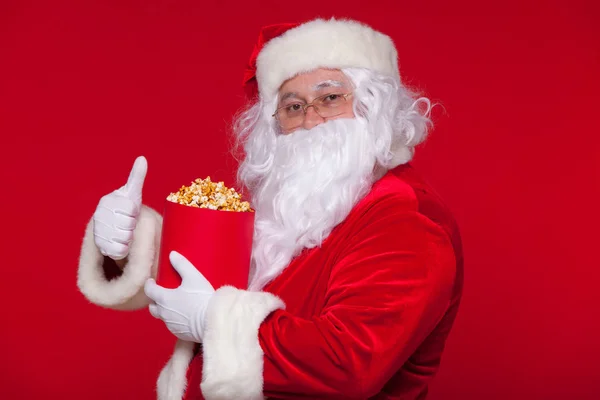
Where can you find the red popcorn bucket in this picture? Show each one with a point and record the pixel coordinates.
(217, 242)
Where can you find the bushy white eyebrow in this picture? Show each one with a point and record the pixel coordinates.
(288, 95)
(315, 88)
(326, 84)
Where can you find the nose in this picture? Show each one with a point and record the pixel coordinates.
(312, 119)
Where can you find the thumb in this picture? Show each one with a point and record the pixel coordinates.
(135, 182)
(189, 273)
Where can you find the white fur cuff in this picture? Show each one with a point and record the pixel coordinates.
(125, 292)
(171, 384)
(233, 357)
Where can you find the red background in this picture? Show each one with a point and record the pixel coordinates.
(86, 86)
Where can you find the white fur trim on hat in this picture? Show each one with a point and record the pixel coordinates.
(125, 292)
(232, 355)
(323, 44)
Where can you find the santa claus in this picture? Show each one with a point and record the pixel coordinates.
(356, 270)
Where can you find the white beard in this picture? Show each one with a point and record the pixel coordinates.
(316, 179)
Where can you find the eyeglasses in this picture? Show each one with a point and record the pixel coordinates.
(329, 105)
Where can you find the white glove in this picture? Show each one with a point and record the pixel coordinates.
(116, 215)
(182, 309)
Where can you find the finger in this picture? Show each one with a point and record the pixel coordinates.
(101, 243)
(116, 204)
(125, 223)
(154, 310)
(135, 182)
(113, 241)
(154, 291)
(121, 236)
(187, 271)
(101, 228)
(116, 251)
(182, 265)
(102, 213)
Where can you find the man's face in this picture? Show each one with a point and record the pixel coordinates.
(320, 84)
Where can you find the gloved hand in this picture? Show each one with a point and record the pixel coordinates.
(116, 215)
(182, 309)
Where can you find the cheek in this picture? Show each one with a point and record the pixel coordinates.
(349, 113)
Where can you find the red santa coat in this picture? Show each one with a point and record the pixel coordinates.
(363, 316)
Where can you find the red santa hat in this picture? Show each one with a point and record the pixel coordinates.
(285, 50)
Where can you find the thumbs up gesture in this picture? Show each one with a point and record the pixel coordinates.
(116, 215)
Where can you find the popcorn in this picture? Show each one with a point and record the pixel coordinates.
(203, 193)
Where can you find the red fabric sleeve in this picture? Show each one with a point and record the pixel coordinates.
(388, 290)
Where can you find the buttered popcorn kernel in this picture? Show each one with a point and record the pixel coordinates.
(203, 193)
